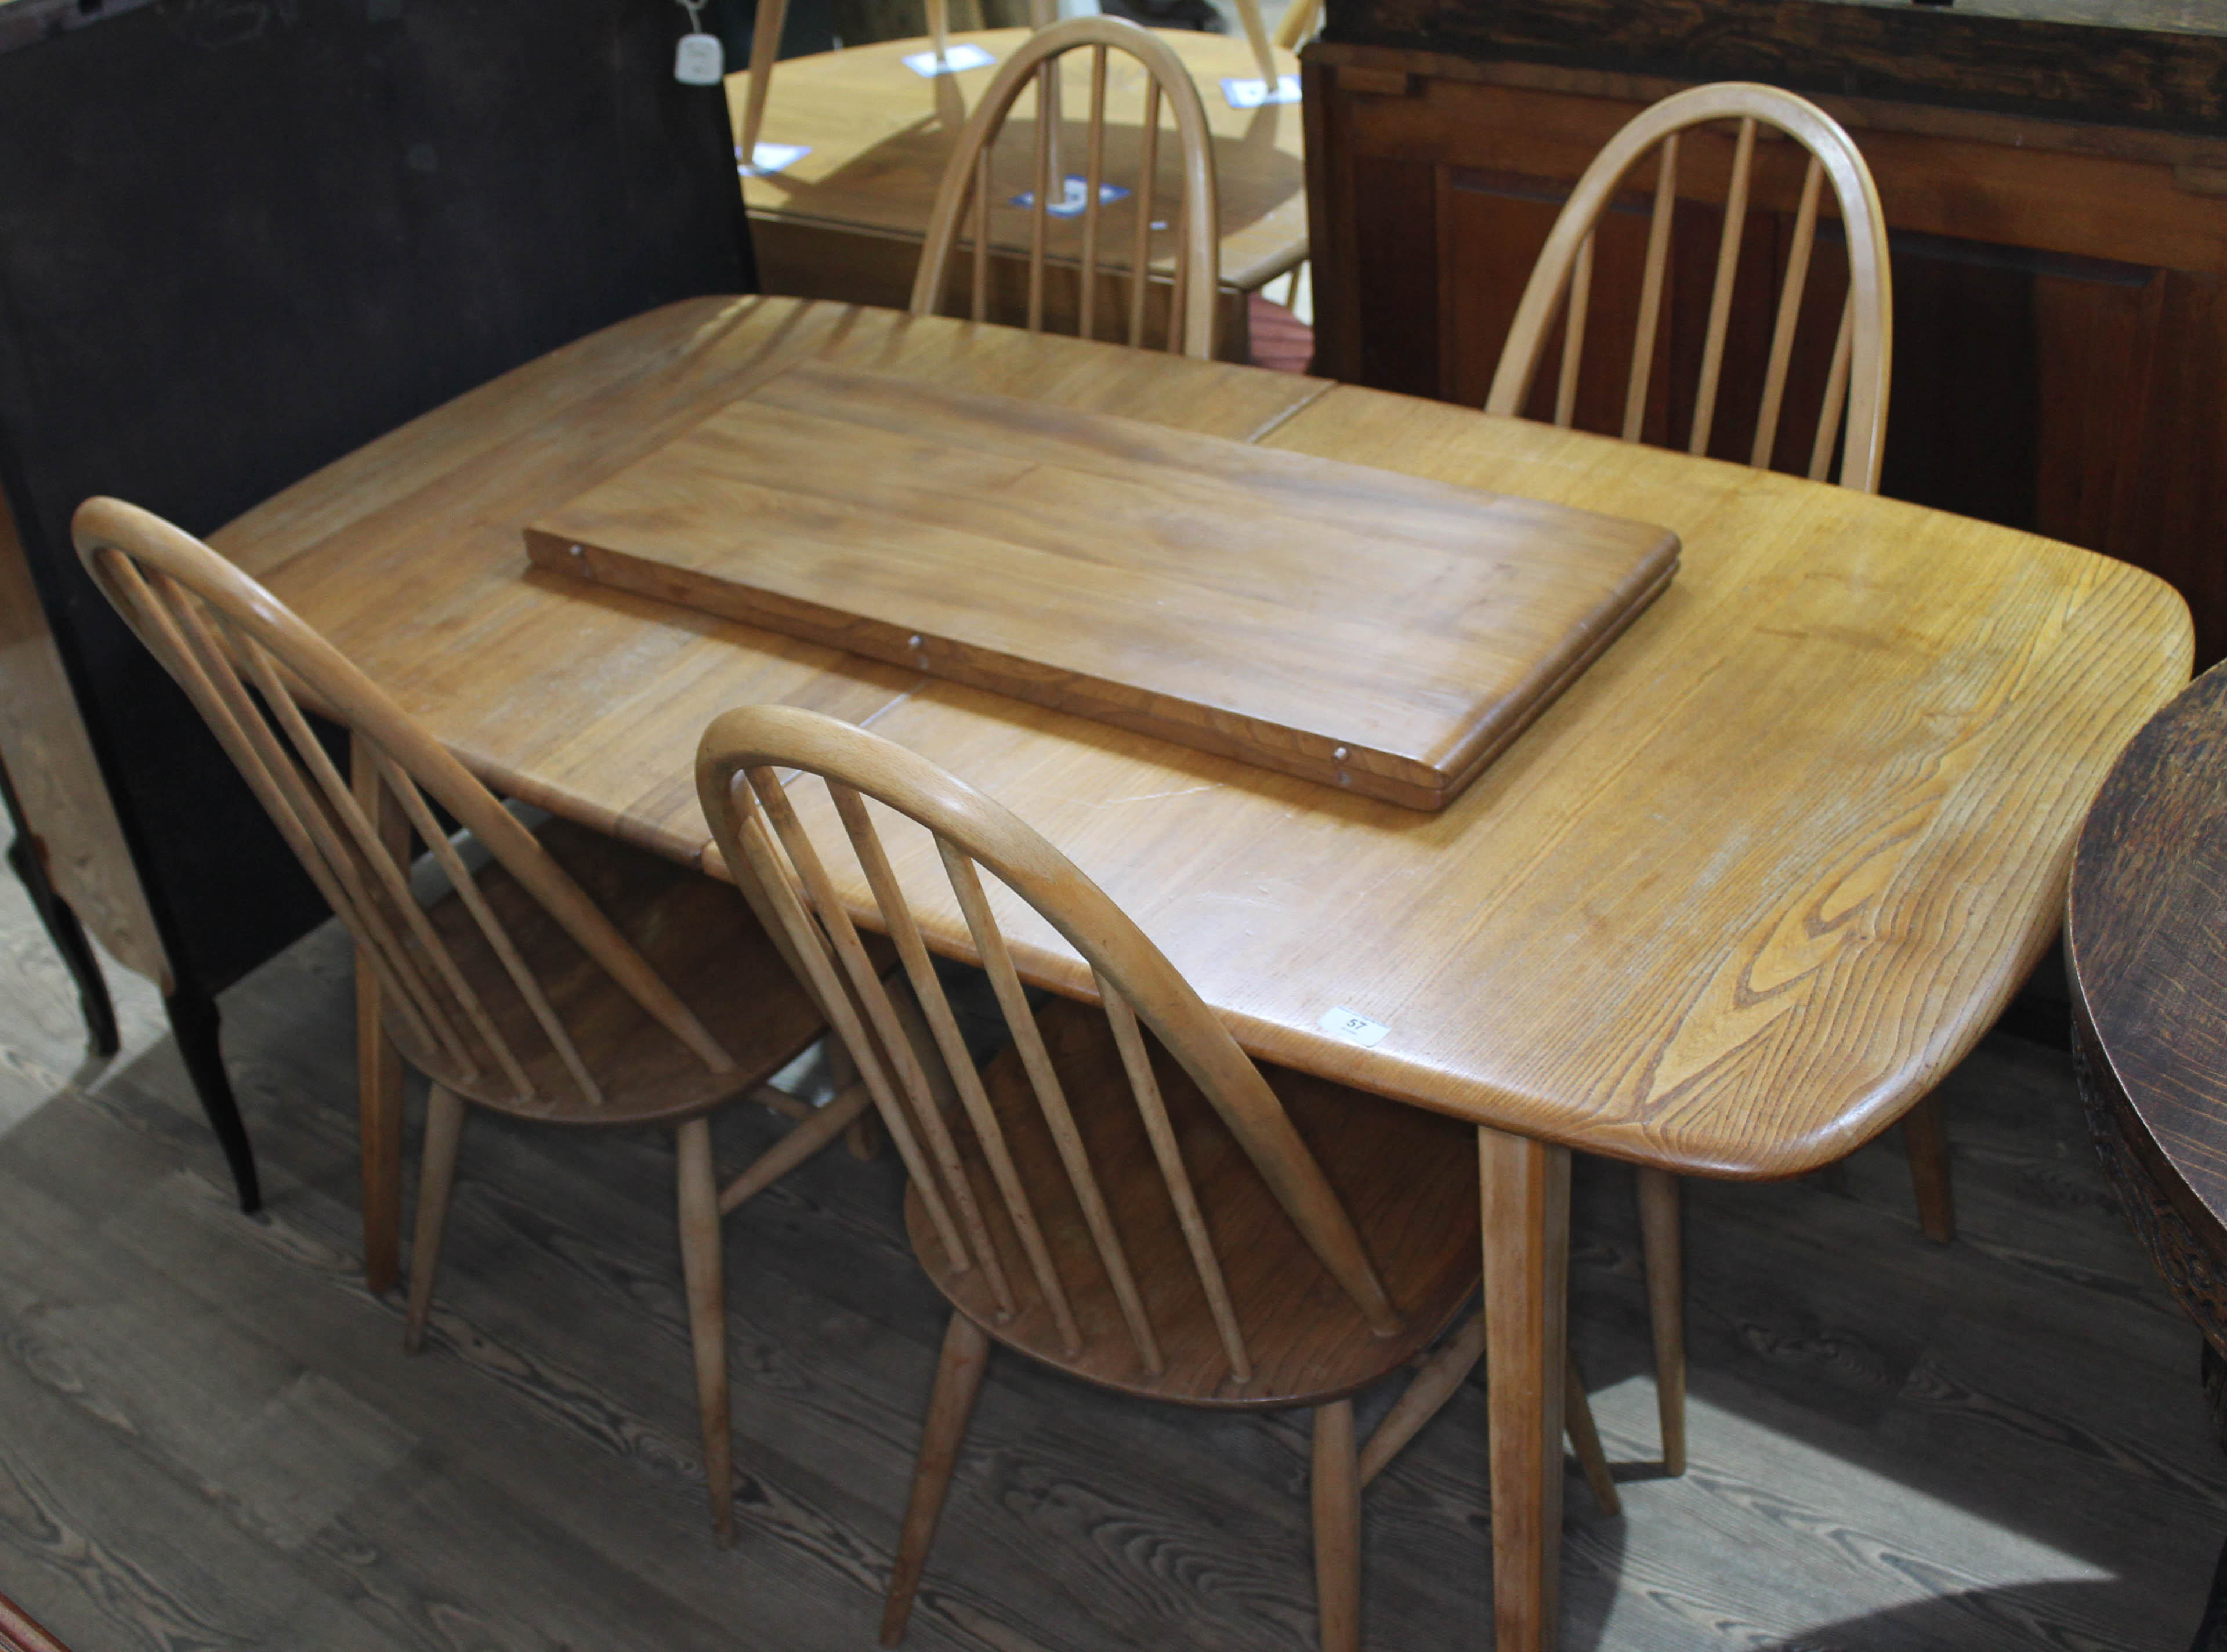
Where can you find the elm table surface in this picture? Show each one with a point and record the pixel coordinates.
(1734, 902)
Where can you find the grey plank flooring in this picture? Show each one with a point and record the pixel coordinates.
(210, 1438)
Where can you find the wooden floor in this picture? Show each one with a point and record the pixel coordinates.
(210, 1438)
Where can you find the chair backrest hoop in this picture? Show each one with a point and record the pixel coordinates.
(1864, 357)
(737, 778)
(146, 567)
(1198, 272)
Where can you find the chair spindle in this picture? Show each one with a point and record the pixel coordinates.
(1837, 394)
(943, 1025)
(1051, 1098)
(980, 291)
(498, 938)
(1093, 181)
(1148, 170)
(160, 605)
(763, 861)
(1720, 295)
(896, 1050)
(1573, 333)
(1790, 312)
(1137, 1062)
(1040, 201)
(1651, 289)
(340, 797)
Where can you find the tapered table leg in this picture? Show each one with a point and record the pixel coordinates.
(1526, 1199)
(379, 1068)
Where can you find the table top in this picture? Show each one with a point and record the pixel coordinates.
(2146, 939)
(1733, 903)
(880, 137)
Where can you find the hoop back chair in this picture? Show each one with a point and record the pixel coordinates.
(1561, 281)
(966, 181)
(542, 984)
(1856, 385)
(1121, 1194)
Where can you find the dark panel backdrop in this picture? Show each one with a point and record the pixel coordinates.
(241, 238)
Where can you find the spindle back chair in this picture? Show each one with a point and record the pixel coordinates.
(518, 989)
(1856, 385)
(1121, 1194)
(967, 182)
(1561, 280)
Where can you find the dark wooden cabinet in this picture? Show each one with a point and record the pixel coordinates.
(2057, 197)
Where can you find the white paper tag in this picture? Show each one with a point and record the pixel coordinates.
(1251, 94)
(1074, 196)
(701, 61)
(1352, 1026)
(965, 55)
(770, 158)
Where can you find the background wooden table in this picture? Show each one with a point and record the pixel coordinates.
(845, 222)
(2146, 951)
(1733, 904)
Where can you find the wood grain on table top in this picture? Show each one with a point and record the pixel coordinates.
(1735, 901)
(1344, 623)
(880, 135)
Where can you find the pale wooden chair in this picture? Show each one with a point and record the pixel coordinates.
(765, 46)
(967, 181)
(1561, 280)
(1122, 1194)
(570, 979)
(1855, 395)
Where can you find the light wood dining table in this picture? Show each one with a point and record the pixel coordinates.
(1731, 904)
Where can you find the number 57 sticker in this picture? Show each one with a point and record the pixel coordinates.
(1352, 1026)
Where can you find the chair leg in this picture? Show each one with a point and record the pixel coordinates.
(802, 1142)
(1336, 1496)
(1666, 1306)
(701, 1265)
(1585, 1438)
(958, 1380)
(444, 1133)
(1442, 1375)
(1925, 1135)
(194, 1024)
(1425, 1396)
(864, 1137)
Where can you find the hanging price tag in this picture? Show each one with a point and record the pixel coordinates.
(701, 61)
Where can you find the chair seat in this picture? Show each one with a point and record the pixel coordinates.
(1407, 1178)
(700, 936)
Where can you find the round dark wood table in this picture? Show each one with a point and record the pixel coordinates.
(2146, 950)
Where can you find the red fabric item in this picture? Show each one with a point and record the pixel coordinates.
(1280, 340)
